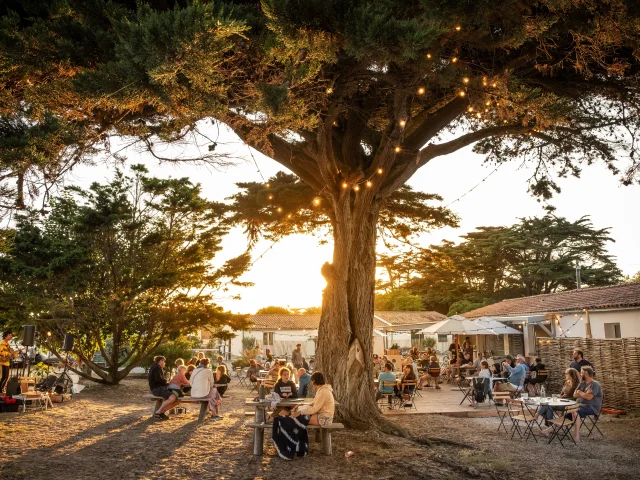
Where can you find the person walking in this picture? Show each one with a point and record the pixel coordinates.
(296, 357)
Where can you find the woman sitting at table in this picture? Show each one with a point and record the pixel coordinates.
(203, 387)
(452, 368)
(572, 380)
(407, 376)
(427, 378)
(322, 409)
(222, 379)
(285, 388)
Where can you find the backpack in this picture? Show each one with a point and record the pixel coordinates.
(478, 391)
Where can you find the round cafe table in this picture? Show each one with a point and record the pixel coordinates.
(550, 402)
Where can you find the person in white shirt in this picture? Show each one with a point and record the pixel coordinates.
(203, 387)
(486, 373)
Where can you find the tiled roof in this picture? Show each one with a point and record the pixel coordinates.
(312, 321)
(595, 298)
(410, 318)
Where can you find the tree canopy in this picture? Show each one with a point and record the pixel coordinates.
(532, 257)
(124, 266)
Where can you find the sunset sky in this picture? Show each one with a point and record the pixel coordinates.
(289, 273)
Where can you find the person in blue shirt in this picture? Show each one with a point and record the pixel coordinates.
(517, 375)
(303, 382)
(386, 376)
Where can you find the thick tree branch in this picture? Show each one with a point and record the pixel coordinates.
(434, 123)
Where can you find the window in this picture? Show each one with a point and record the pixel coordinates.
(443, 338)
(612, 330)
(267, 338)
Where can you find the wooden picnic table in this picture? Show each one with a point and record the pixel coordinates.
(260, 422)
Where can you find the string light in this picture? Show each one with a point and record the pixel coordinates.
(458, 28)
(369, 184)
(454, 59)
(268, 185)
(289, 216)
(279, 209)
(478, 115)
(329, 91)
(357, 188)
(470, 109)
(465, 80)
(270, 197)
(421, 91)
(494, 84)
(397, 149)
(488, 103)
(462, 93)
(344, 185)
(428, 56)
(316, 201)
(402, 123)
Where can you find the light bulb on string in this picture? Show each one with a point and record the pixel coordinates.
(268, 185)
(428, 56)
(279, 209)
(465, 80)
(494, 84)
(397, 149)
(478, 115)
(369, 184)
(470, 109)
(403, 123)
(462, 93)
(344, 185)
(289, 216)
(270, 197)
(316, 201)
(458, 28)
(488, 103)
(421, 91)
(329, 91)
(357, 188)
(379, 171)
(454, 60)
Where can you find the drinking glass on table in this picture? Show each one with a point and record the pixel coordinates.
(524, 396)
(554, 396)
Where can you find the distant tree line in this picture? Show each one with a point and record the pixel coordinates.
(532, 257)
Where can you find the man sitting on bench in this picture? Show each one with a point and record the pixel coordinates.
(159, 388)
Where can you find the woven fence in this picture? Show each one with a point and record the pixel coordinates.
(617, 364)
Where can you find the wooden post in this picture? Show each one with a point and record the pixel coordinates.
(203, 411)
(587, 324)
(258, 432)
(325, 436)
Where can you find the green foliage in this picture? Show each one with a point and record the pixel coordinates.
(398, 300)
(635, 278)
(463, 306)
(181, 347)
(248, 342)
(274, 310)
(125, 266)
(532, 257)
(240, 362)
(429, 342)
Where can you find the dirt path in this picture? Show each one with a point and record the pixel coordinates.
(107, 433)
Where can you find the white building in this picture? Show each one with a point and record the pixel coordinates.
(608, 312)
(281, 333)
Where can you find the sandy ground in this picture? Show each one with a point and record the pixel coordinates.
(107, 433)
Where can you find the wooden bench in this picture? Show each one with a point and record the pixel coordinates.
(325, 435)
(203, 405)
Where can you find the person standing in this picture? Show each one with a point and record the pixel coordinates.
(304, 380)
(6, 354)
(579, 361)
(296, 358)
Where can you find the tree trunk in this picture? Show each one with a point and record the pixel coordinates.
(347, 312)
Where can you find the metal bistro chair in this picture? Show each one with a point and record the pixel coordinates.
(390, 398)
(517, 414)
(408, 399)
(592, 422)
(501, 409)
(241, 375)
(562, 425)
(540, 380)
(435, 373)
(466, 388)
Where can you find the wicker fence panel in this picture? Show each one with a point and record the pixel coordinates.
(617, 364)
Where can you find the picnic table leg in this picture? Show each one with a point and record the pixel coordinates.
(258, 433)
(157, 405)
(203, 412)
(325, 436)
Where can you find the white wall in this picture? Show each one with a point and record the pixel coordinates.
(629, 321)
(285, 342)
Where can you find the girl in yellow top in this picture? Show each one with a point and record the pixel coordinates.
(322, 409)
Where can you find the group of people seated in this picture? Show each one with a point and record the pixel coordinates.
(195, 379)
(274, 376)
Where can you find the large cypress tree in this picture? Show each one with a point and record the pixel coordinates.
(353, 97)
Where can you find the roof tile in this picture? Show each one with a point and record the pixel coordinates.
(594, 298)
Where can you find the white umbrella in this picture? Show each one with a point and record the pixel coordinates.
(457, 325)
(496, 326)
